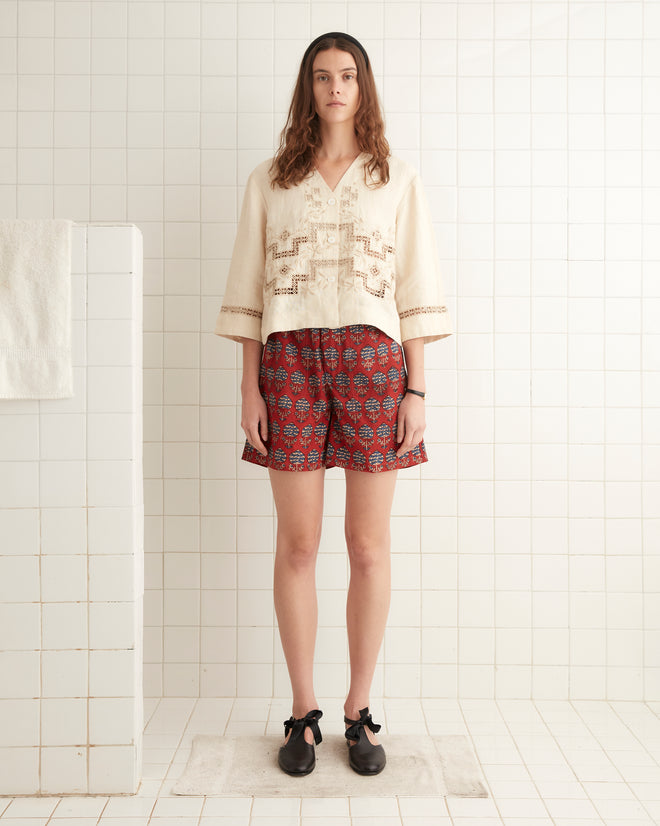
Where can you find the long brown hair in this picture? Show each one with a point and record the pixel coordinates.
(301, 136)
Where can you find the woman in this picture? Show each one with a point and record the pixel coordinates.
(334, 279)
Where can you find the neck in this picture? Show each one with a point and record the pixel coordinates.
(338, 142)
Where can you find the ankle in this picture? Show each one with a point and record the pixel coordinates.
(301, 709)
(352, 710)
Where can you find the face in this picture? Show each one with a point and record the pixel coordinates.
(335, 85)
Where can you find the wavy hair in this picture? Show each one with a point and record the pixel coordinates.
(301, 136)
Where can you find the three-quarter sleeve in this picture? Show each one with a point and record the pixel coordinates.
(242, 306)
(420, 299)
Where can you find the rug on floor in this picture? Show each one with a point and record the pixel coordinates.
(419, 766)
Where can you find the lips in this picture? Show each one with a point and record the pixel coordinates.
(336, 104)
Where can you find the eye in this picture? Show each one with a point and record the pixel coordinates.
(349, 76)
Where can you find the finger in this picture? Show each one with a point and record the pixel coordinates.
(407, 445)
(254, 439)
(261, 447)
(263, 427)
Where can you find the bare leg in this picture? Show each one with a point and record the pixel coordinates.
(299, 502)
(368, 506)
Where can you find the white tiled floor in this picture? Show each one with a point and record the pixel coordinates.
(577, 763)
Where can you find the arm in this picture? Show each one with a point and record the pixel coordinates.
(254, 415)
(411, 421)
(241, 313)
(419, 295)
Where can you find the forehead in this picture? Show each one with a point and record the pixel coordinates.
(333, 58)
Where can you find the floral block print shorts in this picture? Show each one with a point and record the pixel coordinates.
(333, 397)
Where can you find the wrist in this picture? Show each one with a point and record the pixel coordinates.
(414, 391)
(249, 386)
(417, 383)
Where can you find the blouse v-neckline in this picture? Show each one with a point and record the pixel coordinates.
(343, 177)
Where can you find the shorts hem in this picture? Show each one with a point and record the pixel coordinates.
(382, 469)
(254, 457)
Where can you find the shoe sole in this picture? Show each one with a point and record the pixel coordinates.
(358, 771)
(298, 774)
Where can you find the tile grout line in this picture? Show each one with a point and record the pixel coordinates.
(605, 451)
(163, 440)
(568, 762)
(490, 702)
(569, 601)
(642, 429)
(201, 376)
(612, 708)
(175, 750)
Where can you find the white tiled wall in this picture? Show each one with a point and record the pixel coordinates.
(526, 553)
(72, 549)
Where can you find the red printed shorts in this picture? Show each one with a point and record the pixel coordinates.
(333, 396)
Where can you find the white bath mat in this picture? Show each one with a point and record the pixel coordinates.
(417, 766)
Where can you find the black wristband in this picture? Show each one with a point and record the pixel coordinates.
(416, 392)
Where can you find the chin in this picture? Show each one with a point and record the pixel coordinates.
(339, 114)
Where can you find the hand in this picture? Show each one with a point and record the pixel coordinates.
(411, 423)
(254, 420)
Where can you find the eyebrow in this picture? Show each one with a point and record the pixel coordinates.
(348, 69)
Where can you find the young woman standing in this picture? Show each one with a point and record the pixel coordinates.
(333, 290)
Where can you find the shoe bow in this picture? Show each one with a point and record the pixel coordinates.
(298, 725)
(353, 732)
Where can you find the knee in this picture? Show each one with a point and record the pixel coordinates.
(366, 553)
(299, 551)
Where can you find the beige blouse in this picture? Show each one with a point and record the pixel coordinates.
(310, 256)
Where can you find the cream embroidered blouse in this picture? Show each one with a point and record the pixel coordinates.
(309, 256)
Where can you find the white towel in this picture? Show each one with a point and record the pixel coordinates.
(35, 309)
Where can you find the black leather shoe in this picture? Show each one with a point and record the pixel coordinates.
(298, 757)
(363, 756)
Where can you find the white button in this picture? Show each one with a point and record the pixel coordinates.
(331, 201)
(331, 239)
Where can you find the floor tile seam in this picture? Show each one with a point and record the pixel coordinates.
(481, 767)
(227, 723)
(531, 704)
(648, 710)
(428, 732)
(607, 754)
(631, 732)
(643, 749)
(565, 752)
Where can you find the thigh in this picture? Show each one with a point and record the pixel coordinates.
(369, 498)
(299, 503)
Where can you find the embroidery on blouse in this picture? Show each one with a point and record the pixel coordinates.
(241, 311)
(374, 278)
(349, 196)
(365, 258)
(284, 279)
(422, 311)
(315, 204)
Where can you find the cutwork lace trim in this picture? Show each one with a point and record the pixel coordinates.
(241, 311)
(422, 311)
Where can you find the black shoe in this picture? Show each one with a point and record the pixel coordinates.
(298, 757)
(364, 757)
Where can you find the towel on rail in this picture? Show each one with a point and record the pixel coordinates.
(35, 309)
